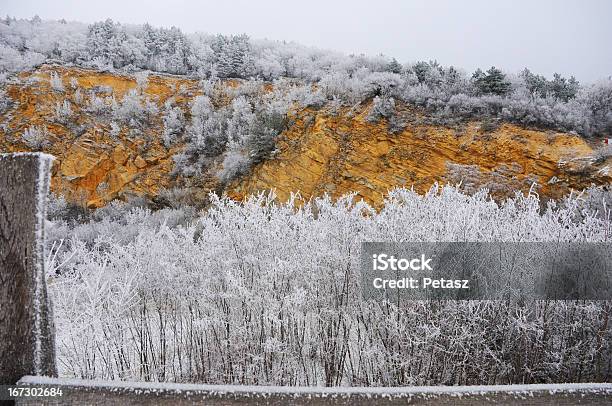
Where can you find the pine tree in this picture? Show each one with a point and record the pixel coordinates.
(564, 89)
(492, 82)
(394, 66)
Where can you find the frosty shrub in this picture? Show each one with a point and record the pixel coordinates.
(603, 153)
(78, 96)
(115, 129)
(176, 197)
(266, 293)
(381, 107)
(174, 123)
(235, 163)
(134, 109)
(266, 129)
(11, 60)
(63, 111)
(207, 133)
(56, 82)
(595, 201)
(56, 207)
(5, 101)
(98, 105)
(35, 137)
(245, 130)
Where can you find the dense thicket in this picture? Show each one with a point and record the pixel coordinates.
(261, 293)
(445, 92)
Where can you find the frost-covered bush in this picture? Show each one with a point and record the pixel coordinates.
(272, 293)
(134, 109)
(245, 130)
(382, 107)
(5, 101)
(99, 105)
(207, 132)
(174, 123)
(115, 129)
(142, 80)
(360, 85)
(267, 127)
(241, 121)
(235, 163)
(56, 82)
(594, 201)
(78, 96)
(597, 100)
(182, 198)
(35, 137)
(56, 207)
(63, 111)
(603, 153)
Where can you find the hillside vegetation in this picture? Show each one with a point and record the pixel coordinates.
(173, 139)
(447, 92)
(269, 294)
(153, 112)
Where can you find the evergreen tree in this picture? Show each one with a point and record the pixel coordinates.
(492, 82)
(564, 89)
(394, 66)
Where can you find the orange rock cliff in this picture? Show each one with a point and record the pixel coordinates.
(322, 151)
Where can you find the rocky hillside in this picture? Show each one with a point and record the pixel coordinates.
(335, 154)
(327, 149)
(93, 164)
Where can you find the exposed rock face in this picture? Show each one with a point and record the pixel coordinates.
(320, 153)
(90, 171)
(93, 166)
(335, 154)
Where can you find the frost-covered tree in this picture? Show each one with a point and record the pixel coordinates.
(597, 100)
(207, 132)
(233, 56)
(536, 84)
(428, 73)
(564, 89)
(104, 42)
(492, 82)
(394, 66)
(319, 76)
(241, 121)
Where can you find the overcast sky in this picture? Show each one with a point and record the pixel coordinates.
(565, 36)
